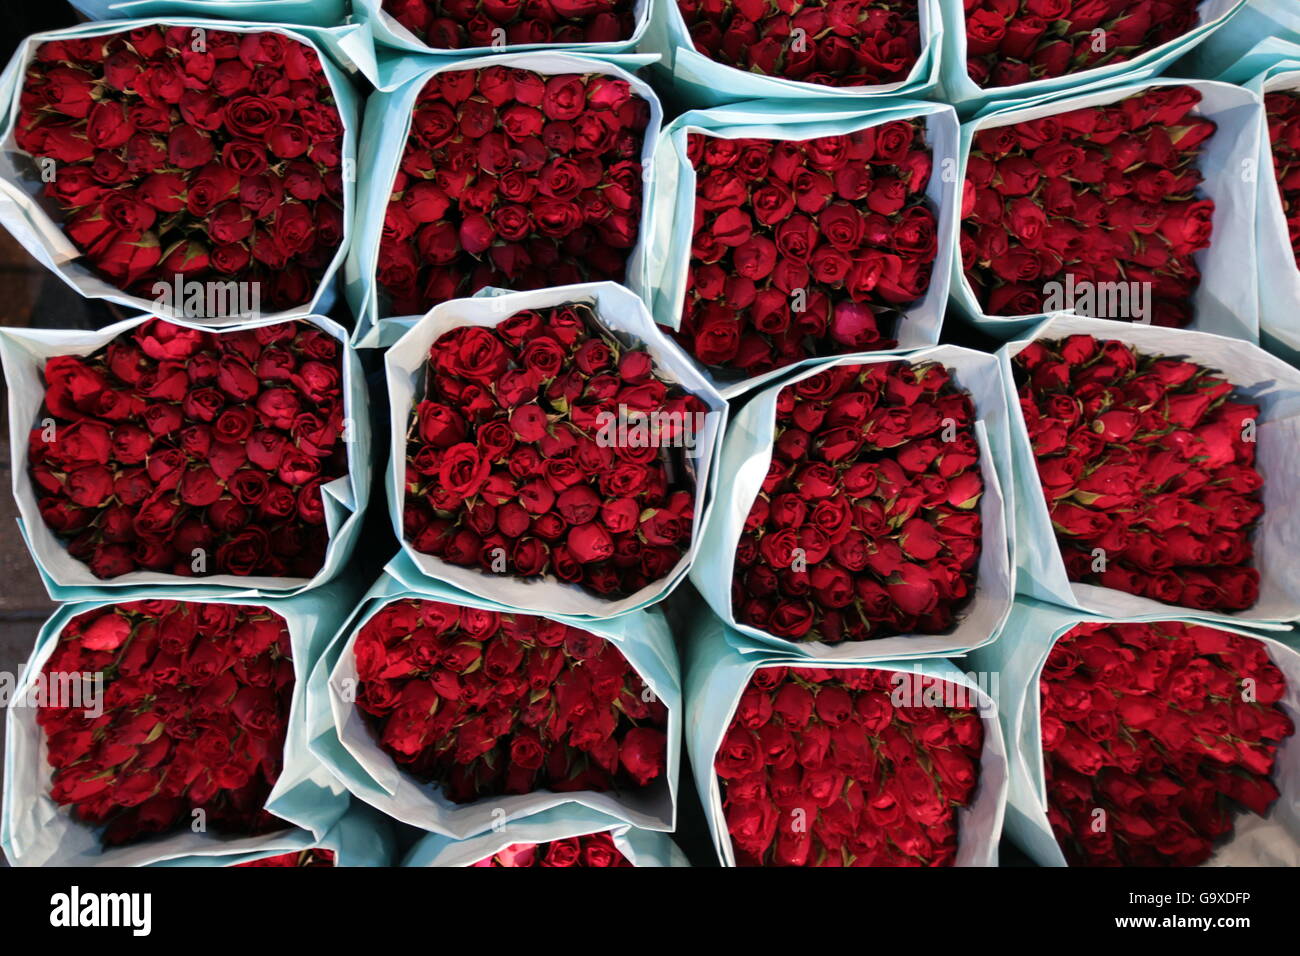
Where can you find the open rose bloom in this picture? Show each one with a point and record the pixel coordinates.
(560, 837)
(519, 170)
(715, 51)
(159, 453)
(1148, 741)
(157, 165)
(470, 27)
(800, 763)
(997, 50)
(868, 517)
(534, 496)
(1129, 546)
(455, 714)
(1040, 181)
(106, 761)
(780, 237)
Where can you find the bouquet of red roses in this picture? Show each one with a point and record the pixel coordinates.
(841, 43)
(849, 767)
(312, 857)
(867, 522)
(1155, 738)
(591, 849)
(178, 155)
(552, 447)
(1061, 211)
(866, 519)
(456, 24)
(514, 178)
(485, 703)
(1283, 108)
(806, 248)
(183, 451)
(1147, 467)
(1009, 42)
(186, 722)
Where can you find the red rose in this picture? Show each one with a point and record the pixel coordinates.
(1111, 758)
(642, 754)
(785, 800)
(564, 490)
(1078, 229)
(541, 666)
(128, 137)
(190, 477)
(146, 779)
(1159, 552)
(801, 252)
(549, 173)
(806, 535)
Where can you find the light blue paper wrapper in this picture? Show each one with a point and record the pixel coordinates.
(641, 847)
(716, 676)
(341, 739)
(1261, 378)
(1017, 660)
(956, 86)
(625, 315)
(700, 81)
(1273, 66)
(319, 13)
(35, 831)
(384, 133)
(361, 837)
(391, 34)
(1227, 47)
(1226, 303)
(746, 454)
(665, 266)
(23, 353)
